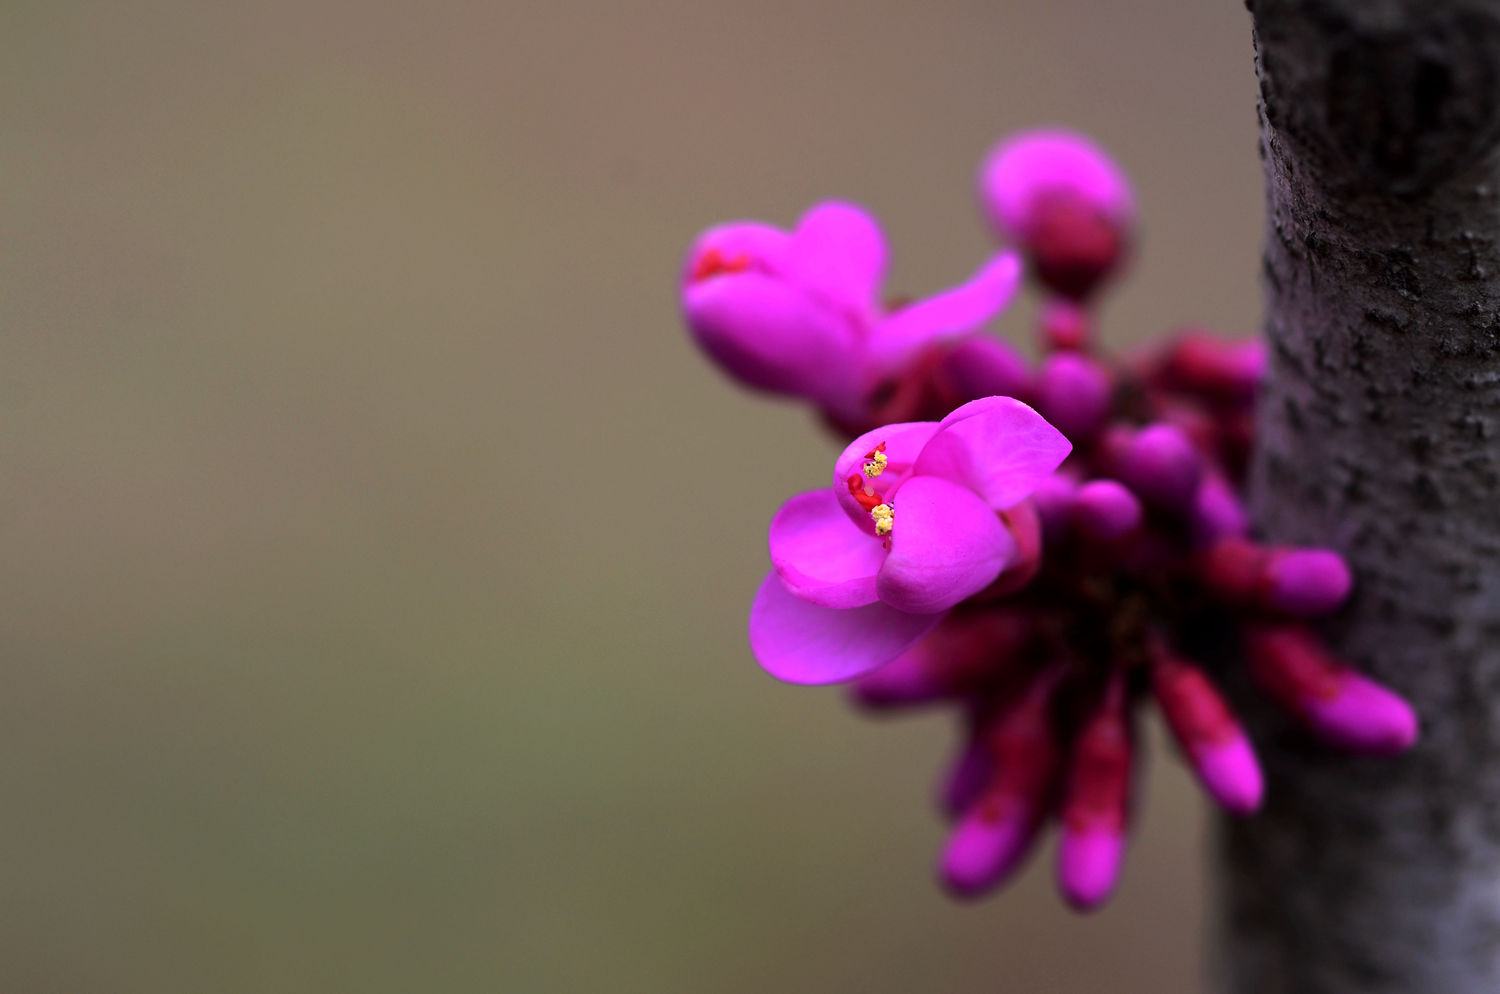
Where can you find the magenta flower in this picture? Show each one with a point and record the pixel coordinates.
(1065, 202)
(912, 525)
(799, 313)
(956, 562)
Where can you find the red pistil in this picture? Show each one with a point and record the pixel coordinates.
(714, 263)
(868, 501)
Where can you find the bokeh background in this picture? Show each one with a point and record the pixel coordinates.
(376, 549)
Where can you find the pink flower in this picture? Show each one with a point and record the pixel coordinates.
(799, 312)
(912, 526)
(1065, 202)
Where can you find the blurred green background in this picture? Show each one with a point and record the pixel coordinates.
(377, 549)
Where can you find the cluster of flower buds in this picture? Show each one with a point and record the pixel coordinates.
(1042, 548)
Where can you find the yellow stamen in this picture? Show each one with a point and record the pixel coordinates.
(876, 465)
(884, 517)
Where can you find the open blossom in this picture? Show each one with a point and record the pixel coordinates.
(1044, 573)
(799, 313)
(912, 525)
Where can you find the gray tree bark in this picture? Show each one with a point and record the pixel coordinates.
(1379, 434)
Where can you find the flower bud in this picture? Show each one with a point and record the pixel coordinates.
(1207, 733)
(1218, 512)
(994, 835)
(1095, 808)
(1349, 710)
(1229, 371)
(982, 366)
(1074, 393)
(1065, 202)
(1162, 466)
(1307, 582)
(966, 653)
(1105, 510)
(1065, 327)
(1053, 498)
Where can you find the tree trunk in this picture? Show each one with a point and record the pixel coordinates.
(1379, 435)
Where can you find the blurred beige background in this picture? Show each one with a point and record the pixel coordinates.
(377, 549)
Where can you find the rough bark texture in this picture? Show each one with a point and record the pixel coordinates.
(1380, 435)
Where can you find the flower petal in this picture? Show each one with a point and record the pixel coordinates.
(768, 333)
(997, 447)
(738, 246)
(946, 316)
(821, 556)
(839, 253)
(903, 443)
(947, 544)
(805, 643)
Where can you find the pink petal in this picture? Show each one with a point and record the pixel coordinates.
(839, 253)
(946, 545)
(805, 643)
(746, 245)
(768, 333)
(1045, 161)
(903, 443)
(997, 447)
(946, 316)
(821, 557)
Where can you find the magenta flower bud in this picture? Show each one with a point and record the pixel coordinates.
(1235, 569)
(982, 366)
(1230, 371)
(1089, 863)
(1163, 467)
(987, 845)
(1105, 510)
(1053, 498)
(1095, 808)
(1065, 327)
(1349, 710)
(1065, 202)
(1074, 393)
(1208, 734)
(995, 833)
(1218, 512)
(1365, 717)
(968, 776)
(1304, 583)
(1307, 582)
